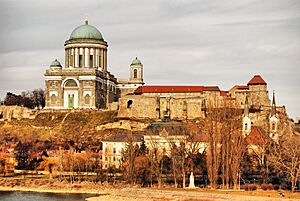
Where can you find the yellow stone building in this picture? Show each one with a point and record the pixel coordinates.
(84, 82)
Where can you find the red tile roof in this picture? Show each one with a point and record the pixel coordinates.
(223, 93)
(211, 88)
(257, 136)
(124, 137)
(169, 89)
(242, 87)
(257, 79)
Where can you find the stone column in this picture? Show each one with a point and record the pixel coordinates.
(83, 57)
(66, 58)
(102, 62)
(73, 57)
(97, 58)
(76, 57)
(88, 58)
(70, 53)
(94, 58)
(105, 60)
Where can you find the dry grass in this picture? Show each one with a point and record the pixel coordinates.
(259, 193)
(59, 125)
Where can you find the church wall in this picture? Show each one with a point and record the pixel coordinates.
(53, 87)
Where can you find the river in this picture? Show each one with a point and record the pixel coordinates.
(33, 196)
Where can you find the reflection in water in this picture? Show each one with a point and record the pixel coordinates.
(32, 196)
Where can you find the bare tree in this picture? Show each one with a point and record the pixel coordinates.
(285, 156)
(214, 145)
(130, 154)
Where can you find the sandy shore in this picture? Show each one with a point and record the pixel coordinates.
(137, 194)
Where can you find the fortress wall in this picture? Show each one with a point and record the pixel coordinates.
(15, 112)
(154, 107)
(135, 106)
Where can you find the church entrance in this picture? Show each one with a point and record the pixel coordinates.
(70, 99)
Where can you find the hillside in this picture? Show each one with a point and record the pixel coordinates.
(77, 126)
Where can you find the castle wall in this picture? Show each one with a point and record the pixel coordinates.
(156, 107)
(15, 112)
(135, 106)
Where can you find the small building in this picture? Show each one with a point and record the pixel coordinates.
(114, 146)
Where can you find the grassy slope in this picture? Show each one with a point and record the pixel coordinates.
(63, 125)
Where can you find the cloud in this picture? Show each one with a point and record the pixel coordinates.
(179, 42)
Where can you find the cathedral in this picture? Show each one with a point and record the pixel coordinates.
(84, 81)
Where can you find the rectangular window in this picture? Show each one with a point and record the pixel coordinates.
(99, 61)
(91, 61)
(80, 61)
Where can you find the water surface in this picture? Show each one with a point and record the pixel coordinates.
(33, 196)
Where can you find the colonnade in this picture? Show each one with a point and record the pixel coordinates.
(86, 57)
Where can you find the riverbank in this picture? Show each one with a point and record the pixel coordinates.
(53, 186)
(100, 192)
(147, 194)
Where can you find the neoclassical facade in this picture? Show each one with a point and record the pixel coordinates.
(84, 81)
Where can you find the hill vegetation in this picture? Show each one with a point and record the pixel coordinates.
(73, 126)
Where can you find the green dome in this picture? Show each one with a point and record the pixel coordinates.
(86, 31)
(136, 61)
(55, 63)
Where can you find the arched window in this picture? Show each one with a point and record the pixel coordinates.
(246, 126)
(71, 83)
(53, 99)
(135, 73)
(273, 126)
(129, 103)
(87, 99)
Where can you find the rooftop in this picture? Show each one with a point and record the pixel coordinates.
(257, 80)
(257, 136)
(136, 61)
(123, 137)
(86, 31)
(175, 89)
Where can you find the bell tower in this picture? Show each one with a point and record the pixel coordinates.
(246, 119)
(274, 120)
(136, 71)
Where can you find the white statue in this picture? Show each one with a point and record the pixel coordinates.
(192, 183)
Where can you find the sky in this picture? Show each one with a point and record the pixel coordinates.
(180, 42)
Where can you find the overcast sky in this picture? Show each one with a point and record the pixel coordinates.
(180, 42)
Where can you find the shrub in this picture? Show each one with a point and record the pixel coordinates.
(276, 186)
(250, 187)
(267, 187)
